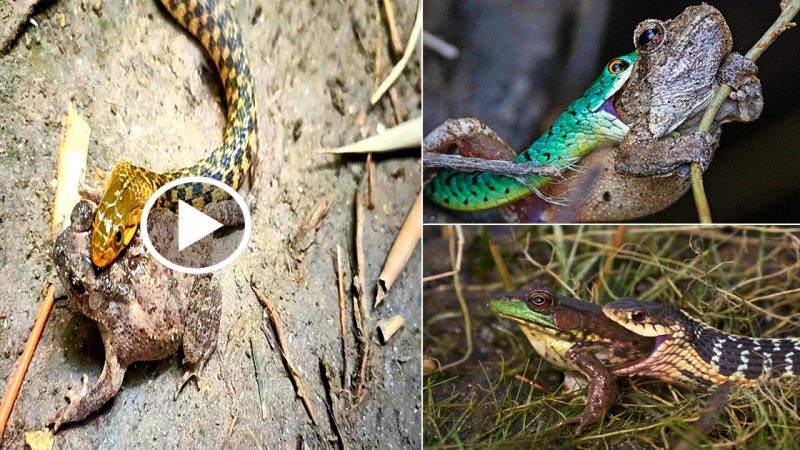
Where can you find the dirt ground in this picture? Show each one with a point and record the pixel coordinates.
(151, 96)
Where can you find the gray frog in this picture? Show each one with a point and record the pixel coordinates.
(144, 310)
(682, 63)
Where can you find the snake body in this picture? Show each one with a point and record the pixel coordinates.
(587, 123)
(129, 186)
(691, 352)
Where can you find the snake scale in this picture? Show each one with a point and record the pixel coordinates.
(691, 352)
(587, 123)
(129, 186)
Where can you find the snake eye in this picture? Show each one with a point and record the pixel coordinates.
(118, 237)
(649, 35)
(540, 299)
(617, 66)
(638, 316)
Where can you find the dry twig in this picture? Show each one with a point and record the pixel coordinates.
(404, 245)
(72, 151)
(405, 135)
(24, 361)
(781, 24)
(398, 68)
(287, 360)
(465, 164)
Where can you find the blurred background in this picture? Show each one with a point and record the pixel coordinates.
(521, 62)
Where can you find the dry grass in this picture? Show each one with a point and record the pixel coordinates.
(742, 280)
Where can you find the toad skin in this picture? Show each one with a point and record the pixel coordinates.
(144, 310)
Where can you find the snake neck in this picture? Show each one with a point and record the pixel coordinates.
(698, 354)
(575, 133)
(210, 21)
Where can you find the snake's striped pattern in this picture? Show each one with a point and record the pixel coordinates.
(690, 352)
(586, 124)
(129, 187)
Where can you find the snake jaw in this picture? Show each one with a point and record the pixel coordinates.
(645, 363)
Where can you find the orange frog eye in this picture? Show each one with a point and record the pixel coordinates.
(617, 66)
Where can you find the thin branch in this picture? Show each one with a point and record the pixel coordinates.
(464, 164)
(781, 24)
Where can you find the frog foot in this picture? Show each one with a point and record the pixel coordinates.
(193, 371)
(747, 102)
(584, 419)
(735, 70)
(73, 398)
(92, 193)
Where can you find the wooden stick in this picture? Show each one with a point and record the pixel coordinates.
(342, 309)
(370, 182)
(406, 135)
(398, 68)
(72, 150)
(16, 378)
(404, 245)
(397, 46)
(465, 164)
(294, 375)
(361, 289)
(388, 327)
(781, 24)
(445, 49)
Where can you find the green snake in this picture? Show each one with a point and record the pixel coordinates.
(129, 187)
(587, 123)
(690, 352)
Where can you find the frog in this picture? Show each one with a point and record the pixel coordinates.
(576, 337)
(682, 63)
(143, 310)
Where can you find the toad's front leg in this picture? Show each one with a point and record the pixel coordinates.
(640, 155)
(88, 401)
(602, 387)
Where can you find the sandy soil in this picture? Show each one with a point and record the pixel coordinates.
(151, 96)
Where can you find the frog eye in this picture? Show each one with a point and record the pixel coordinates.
(638, 316)
(649, 36)
(118, 237)
(617, 66)
(540, 299)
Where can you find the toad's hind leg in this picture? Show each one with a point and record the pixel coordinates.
(200, 328)
(87, 401)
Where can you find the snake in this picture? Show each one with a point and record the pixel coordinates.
(129, 186)
(688, 351)
(586, 124)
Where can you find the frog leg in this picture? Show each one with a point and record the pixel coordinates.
(201, 325)
(226, 212)
(602, 389)
(86, 401)
(639, 155)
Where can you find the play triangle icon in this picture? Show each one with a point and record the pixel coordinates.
(193, 225)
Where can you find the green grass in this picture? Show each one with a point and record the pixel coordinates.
(742, 280)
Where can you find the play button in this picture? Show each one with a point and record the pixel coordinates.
(193, 225)
(210, 230)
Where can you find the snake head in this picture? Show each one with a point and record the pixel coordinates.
(118, 214)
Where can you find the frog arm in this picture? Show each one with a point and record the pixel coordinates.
(641, 155)
(602, 387)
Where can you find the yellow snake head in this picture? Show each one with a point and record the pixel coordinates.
(119, 212)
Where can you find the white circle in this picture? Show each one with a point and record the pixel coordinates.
(196, 270)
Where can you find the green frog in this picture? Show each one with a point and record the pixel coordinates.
(576, 337)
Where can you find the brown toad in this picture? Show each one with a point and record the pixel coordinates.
(682, 63)
(144, 310)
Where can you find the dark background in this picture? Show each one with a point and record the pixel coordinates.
(522, 62)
